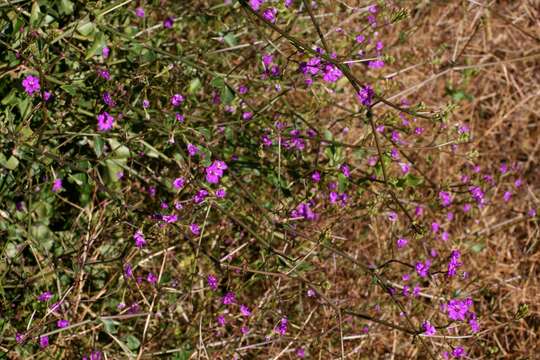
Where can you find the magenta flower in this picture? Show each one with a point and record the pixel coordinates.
(62, 323)
(151, 278)
(256, 4)
(281, 329)
(458, 309)
(212, 282)
(105, 121)
(107, 99)
(429, 329)
(229, 298)
(192, 150)
(332, 73)
(179, 117)
(128, 271)
(139, 12)
(200, 196)
(31, 84)
(270, 15)
(245, 311)
(221, 193)
(459, 352)
(104, 74)
(139, 239)
(300, 353)
(345, 170)
(57, 185)
(168, 22)
(45, 296)
(179, 183)
(316, 176)
(365, 95)
(43, 341)
(105, 52)
(145, 104)
(446, 198)
(401, 243)
(195, 229)
(422, 269)
(47, 96)
(247, 115)
(177, 99)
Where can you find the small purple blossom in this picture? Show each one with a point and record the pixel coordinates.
(104, 74)
(43, 341)
(229, 298)
(105, 52)
(195, 229)
(429, 329)
(105, 121)
(212, 282)
(179, 183)
(281, 329)
(139, 239)
(177, 99)
(445, 198)
(62, 323)
(422, 268)
(200, 196)
(192, 149)
(139, 12)
(57, 185)
(221, 193)
(365, 95)
(151, 278)
(402, 242)
(168, 22)
(270, 14)
(256, 4)
(31, 84)
(45, 296)
(245, 311)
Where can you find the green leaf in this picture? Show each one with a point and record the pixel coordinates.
(194, 86)
(11, 163)
(86, 29)
(230, 39)
(35, 14)
(65, 7)
(98, 44)
(110, 325)
(132, 342)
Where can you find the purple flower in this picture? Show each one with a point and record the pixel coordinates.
(105, 121)
(215, 171)
(177, 99)
(168, 22)
(31, 84)
(256, 4)
(300, 353)
(45, 296)
(46, 96)
(170, 218)
(392, 216)
(229, 298)
(454, 263)
(311, 293)
(145, 104)
(458, 352)
(402, 242)
(422, 269)
(244, 329)
(360, 38)
(139, 12)
(128, 271)
(151, 278)
(446, 198)
(200, 196)
(429, 329)
(458, 309)
(62, 323)
(345, 170)
(282, 327)
(376, 64)
(365, 95)
(532, 212)
(107, 99)
(245, 311)
(316, 176)
(212, 282)
(105, 52)
(221, 193)
(304, 210)
(195, 229)
(139, 239)
(270, 14)
(43, 341)
(507, 196)
(179, 117)
(221, 320)
(57, 185)
(19, 338)
(247, 115)
(332, 73)
(242, 89)
(104, 74)
(179, 183)
(192, 149)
